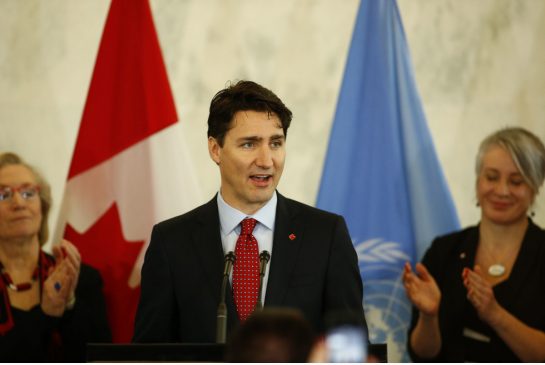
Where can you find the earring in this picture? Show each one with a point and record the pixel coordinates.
(532, 214)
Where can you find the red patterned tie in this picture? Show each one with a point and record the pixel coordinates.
(246, 270)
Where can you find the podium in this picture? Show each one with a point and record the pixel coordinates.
(178, 352)
(155, 352)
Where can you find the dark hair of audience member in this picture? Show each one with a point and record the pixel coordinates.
(272, 335)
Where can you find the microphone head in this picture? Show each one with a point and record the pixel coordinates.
(265, 255)
(230, 256)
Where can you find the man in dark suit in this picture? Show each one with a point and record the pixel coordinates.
(313, 265)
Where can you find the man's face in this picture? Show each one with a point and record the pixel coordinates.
(251, 160)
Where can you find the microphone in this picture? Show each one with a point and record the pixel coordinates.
(264, 258)
(221, 319)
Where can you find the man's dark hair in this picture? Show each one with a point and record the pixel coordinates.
(272, 335)
(244, 95)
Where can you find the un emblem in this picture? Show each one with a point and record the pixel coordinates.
(387, 309)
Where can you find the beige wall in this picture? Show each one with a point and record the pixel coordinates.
(479, 66)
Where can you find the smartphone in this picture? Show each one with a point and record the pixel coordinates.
(346, 343)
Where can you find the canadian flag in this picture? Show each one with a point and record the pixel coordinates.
(130, 168)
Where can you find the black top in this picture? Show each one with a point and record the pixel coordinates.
(464, 336)
(38, 337)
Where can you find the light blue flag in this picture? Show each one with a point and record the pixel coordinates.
(381, 171)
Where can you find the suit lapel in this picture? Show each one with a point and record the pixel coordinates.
(207, 244)
(287, 241)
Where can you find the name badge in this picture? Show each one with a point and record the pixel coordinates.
(474, 335)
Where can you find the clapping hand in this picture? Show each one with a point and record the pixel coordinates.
(60, 286)
(481, 294)
(422, 289)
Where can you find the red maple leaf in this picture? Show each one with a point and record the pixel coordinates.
(104, 248)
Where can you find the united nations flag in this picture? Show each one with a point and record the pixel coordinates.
(381, 171)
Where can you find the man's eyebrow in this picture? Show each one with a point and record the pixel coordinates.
(250, 138)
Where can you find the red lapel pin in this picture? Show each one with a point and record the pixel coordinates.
(291, 236)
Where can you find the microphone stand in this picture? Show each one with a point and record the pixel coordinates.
(221, 320)
(264, 258)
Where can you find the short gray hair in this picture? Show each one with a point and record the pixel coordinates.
(526, 150)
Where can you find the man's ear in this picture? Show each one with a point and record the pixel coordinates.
(214, 149)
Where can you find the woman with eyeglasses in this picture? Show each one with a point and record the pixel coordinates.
(50, 305)
(479, 294)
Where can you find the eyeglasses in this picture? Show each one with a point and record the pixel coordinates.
(27, 192)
